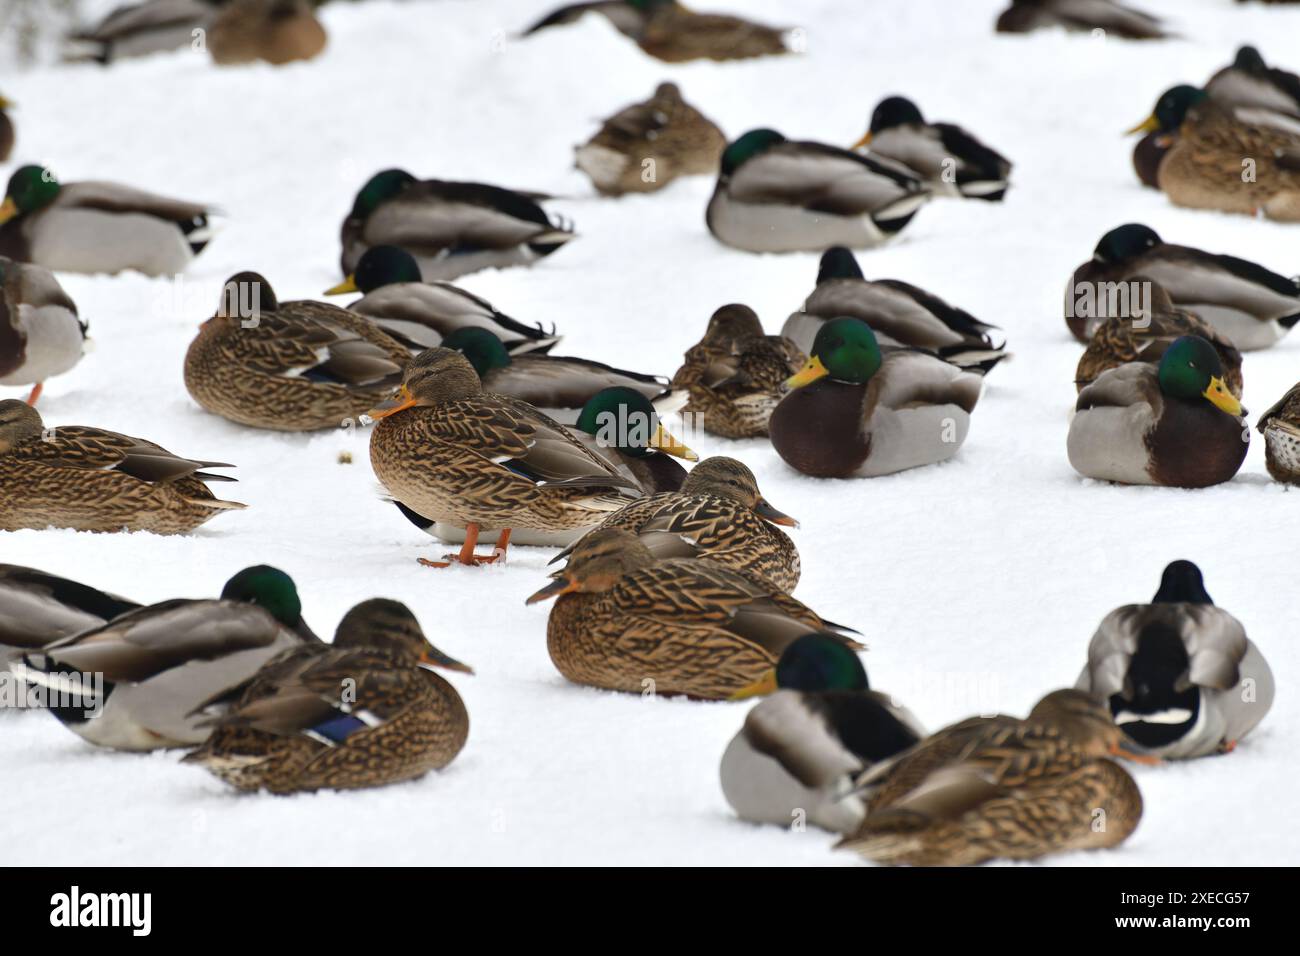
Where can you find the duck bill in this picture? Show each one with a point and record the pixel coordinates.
(808, 374)
(669, 445)
(347, 285)
(764, 685)
(864, 141)
(399, 403)
(1125, 754)
(8, 209)
(1221, 398)
(1148, 125)
(564, 585)
(768, 513)
(432, 657)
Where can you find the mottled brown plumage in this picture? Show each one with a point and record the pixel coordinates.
(1280, 426)
(674, 34)
(276, 31)
(6, 130)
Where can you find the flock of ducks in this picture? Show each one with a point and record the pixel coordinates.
(673, 582)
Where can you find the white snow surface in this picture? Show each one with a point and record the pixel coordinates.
(977, 583)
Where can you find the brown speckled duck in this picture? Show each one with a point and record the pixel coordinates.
(274, 31)
(1280, 426)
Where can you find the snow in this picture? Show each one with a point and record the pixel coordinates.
(977, 582)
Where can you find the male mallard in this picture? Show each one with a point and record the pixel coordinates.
(775, 195)
(949, 160)
(275, 31)
(645, 146)
(451, 228)
(858, 411)
(37, 608)
(6, 129)
(1250, 305)
(999, 787)
(625, 621)
(365, 711)
(89, 479)
(899, 314)
(289, 366)
(800, 749)
(41, 334)
(138, 29)
(735, 376)
(152, 675)
(1024, 16)
(454, 453)
(98, 226)
(1174, 424)
(421, 314)
(1280, 426)
(1250, 83)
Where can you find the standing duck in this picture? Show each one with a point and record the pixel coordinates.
(1025, 16)
(1179, 675)
(777, 195)
(1280, 426)
(451, 228)
(1174, 424)
(37, 608)
(857, 411)
(41, 334)
(6, 129)
(297, 727)
(274, 31)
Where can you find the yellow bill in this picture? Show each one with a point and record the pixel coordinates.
(764, 685)
(1222, 398)
(808, 374)
(669, 445)
(1148, 125)
(347, 285)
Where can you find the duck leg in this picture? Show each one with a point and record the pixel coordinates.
(466, 555)
(35, 393)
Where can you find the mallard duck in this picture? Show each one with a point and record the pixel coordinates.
(1147, 333)
(149, 678)
(89, 479)
(365, 711)
(776, 195)
(949, 160)
(625, 621)
(421, 314)
(1250, 305)
(1250, 83)
(647, 145)
(718, 514)
(998, 787)
(856, 410)
(735, 376)
(138, 29)
(98, 226)
(289, 366)
(41, 334)
(1024, 16)
(899, 314)
(6, 129)
(1174, 424)
(800, 749)
(276, 31)
(454, 453)
(37, 608)
(450, 228)
(1280, 426)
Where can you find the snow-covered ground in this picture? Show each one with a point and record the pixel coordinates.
(977, 582)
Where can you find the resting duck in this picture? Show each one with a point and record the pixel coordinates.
(1179, 675)
(856, 410)
(138, 29)
(37, 608)
(1025, 16)
(41, 334)
(1280, 426)
(776, 195)
(274, 31)
(6, 129)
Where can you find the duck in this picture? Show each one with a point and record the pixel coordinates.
(1146, 333)
(949, 160)
(139, 29)
(900, 314)
(1174, 424)
(89, 479)
(273, 31)
(645, 146)
(1249, 83)
(295, 728)
(684, 626)
(855, 410)
(7, 135)
(1002, 788)
(41, 333)
(421, 314)
(289, 366)
(451, 228)
(37, 608)
(98, 227)
(1249, 304)
(1280, 426)
(779, 195)
(1110, 16)
(455, 453)
(1179, 675)
(801, 748)
(150, 678)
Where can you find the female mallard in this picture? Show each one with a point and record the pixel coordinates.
(37, 608)
(718, 514)
(138, 29)
(775, 195)
(450, 228)
(98, 226)
(1179, 675)
(1250, 305)
(6, 129)
(421, 314)
(1280, 426)
(800, 749)
(289, 366)
(856, 411)
(898, 313)
(365, 711)
(41, 334)
(454, 453)
(625, 621)
(647, 145)
(149, 678)
(1174, 424)
(998, 787)
(274, 31)
(735, 376)
(89, 479)
(1146, 334)
(949, 160)
(1109, 16)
